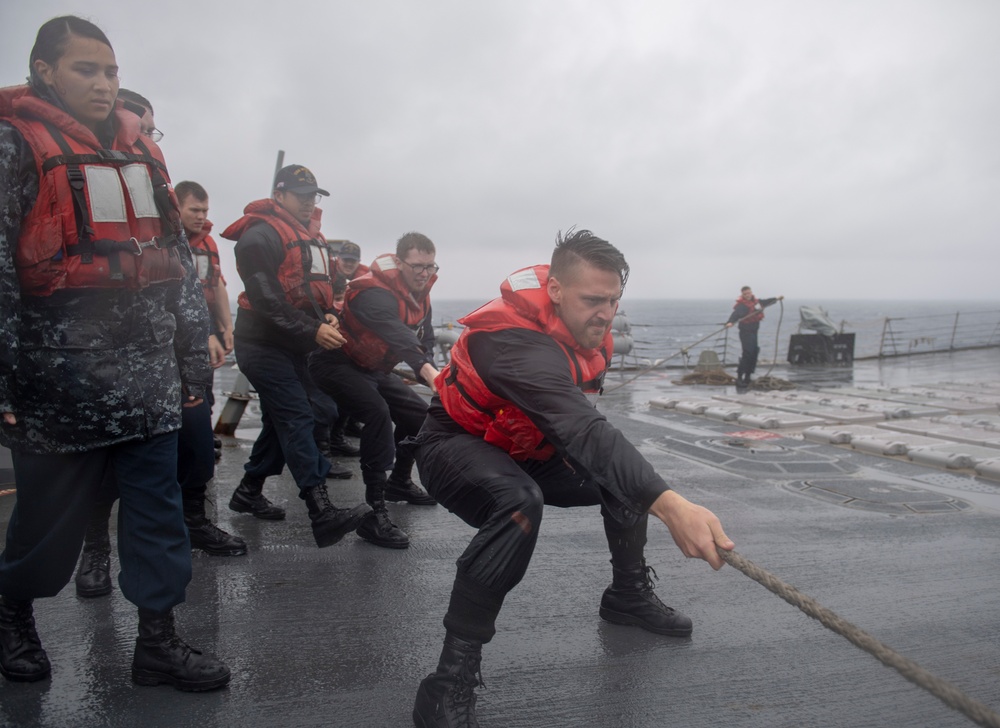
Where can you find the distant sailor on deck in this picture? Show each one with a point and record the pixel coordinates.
(748, 312)
(512, 429)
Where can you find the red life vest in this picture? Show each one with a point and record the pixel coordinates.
(524, 304)
(752, 304)
(206, 261)
(364, 346)
(103, 218)
(304, 272)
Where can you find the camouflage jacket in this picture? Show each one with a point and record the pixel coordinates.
(84, 369)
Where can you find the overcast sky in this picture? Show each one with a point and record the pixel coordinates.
(823, 150)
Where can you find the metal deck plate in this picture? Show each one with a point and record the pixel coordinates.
(879, 496)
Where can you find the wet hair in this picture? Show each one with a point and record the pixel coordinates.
(578, 246)
(745, 288)
(53, 38)
(339, 284)
(186, 189)
(128, 95)
(414, 240)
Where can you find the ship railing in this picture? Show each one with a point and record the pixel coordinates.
(881, 337)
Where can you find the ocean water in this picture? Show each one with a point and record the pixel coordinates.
(662, 329)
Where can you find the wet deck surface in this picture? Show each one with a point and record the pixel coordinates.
(341, 636)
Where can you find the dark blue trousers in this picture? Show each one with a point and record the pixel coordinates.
(286, 435)
(196, 448)
(55, 494)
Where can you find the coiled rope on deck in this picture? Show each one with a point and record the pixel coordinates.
(941, 689)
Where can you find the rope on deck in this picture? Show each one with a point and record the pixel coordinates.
(946, 692)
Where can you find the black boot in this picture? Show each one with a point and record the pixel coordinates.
(341, 472)
(330, 524)
(446, 698)
(205, 535)
(378, 528)
(248, 498)
(93, 575)
(163, 657)
(22, 658)
(630, 600)
(340, 445)
(404, 489)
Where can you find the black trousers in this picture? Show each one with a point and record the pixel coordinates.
(389, 409)
(504, 499)
(748, 360)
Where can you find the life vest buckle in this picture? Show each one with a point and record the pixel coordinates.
(140, 246)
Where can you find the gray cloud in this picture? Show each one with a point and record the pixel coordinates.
(822, 150)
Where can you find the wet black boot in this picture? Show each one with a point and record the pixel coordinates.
(339, 444)
(337, 470)
(248, 498)
(93, 575)
(163, 657)
(405, 490)
(330, 524)
(378, 528)
(401, 486)
(204, 534)
(630, 600)
(22, 658)
(446, 698)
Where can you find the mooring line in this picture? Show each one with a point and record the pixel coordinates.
(946, 692)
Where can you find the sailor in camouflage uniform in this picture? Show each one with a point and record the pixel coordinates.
(103, 331)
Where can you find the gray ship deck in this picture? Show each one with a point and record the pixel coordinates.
(341, 636)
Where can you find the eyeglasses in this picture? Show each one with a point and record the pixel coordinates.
(431, 268)
(307, 197)
(154, 134)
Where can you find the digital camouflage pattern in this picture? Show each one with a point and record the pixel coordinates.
(83, 369)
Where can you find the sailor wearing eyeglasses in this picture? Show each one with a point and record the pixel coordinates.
(386, 320)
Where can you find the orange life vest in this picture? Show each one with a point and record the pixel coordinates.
(752, 304)
(206, 261)
(364, 346)
(304, 272)
(103, 218)
(524, 303)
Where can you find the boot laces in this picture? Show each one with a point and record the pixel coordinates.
(462, 691)
(321, 498)
(95, 561)
(382, 516)
(649, 576)
(23, 623)
(213, 531)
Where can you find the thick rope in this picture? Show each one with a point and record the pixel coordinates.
(946, 692)
(777, 338)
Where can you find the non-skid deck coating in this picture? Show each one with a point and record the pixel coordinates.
(341, 636)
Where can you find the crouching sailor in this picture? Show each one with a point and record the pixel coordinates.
(511, 430)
